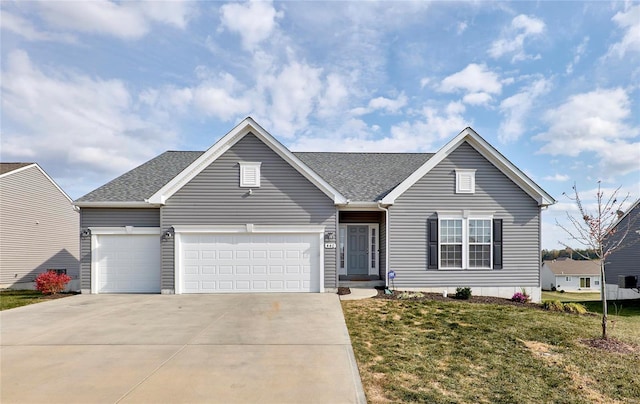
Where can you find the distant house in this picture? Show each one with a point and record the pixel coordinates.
(571, 275)
(38, 227)
(625, 262)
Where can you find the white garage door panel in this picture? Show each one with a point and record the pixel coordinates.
(128, 263)
(221, 263)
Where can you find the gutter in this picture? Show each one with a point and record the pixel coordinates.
(386, 243)
(133, 204)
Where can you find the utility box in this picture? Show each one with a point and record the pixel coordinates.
(627, 281)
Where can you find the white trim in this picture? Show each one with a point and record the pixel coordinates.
(98, 231)
(124, 230)
(359, 206)
(248, 228)
(132, 204)
(243, 228)
(371, 271)
(486, 150)
(17, 170)
(244, 167)
(248, 125)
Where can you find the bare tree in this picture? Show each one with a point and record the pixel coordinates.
(597, 230)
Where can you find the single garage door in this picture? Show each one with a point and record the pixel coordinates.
(218, 263)
(128, 263)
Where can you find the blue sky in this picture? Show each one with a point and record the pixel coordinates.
(90, 90)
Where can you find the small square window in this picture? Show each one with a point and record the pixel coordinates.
(250, 175)
(465, 181)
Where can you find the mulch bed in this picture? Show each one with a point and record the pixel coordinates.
(58, 295)
(611, 345)
(344, 290)
(420, 296)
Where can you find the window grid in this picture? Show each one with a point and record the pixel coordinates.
(451, 243)
(479, 243)
(465, 243)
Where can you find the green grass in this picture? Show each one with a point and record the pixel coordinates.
(457, 352)
(10, 299)
(571, 296)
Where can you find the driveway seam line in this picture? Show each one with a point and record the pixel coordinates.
(153, 372)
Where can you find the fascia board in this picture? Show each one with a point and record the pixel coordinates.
(132, 204)
(224, 144)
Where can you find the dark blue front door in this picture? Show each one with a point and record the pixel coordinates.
(357, 250)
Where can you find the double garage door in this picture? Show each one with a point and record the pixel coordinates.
(210, 263)
(219, 263)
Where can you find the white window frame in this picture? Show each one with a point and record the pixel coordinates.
(244, 168)
(342, 240)
(461, 176)
(465, 216)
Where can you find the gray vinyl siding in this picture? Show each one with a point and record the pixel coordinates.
(109, 217)
(625, 261)
(38, 228)
(494, 192)
(214, 197)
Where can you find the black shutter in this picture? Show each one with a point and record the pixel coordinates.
(497, 243)
(433, 244)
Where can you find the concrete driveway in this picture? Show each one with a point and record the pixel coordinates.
(267, 348)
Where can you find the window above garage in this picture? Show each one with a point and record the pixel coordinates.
(250, 174)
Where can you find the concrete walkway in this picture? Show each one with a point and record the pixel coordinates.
(267, 348)
(359, 293)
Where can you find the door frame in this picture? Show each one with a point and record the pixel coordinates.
(342, 238)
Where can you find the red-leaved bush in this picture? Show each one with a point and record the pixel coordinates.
(51, 282)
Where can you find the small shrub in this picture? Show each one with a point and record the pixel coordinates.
(553, 289)
(410, 295)
(50, 282)
(463, 293)
(561, 290)
(553, 305)
(575, 308)
(520, 297)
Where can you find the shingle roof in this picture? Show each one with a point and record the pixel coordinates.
(363, 177)
(573, 267)
(8, 167)
(143, 181)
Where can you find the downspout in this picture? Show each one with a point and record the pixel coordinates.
(386, 244)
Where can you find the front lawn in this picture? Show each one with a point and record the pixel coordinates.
(460, 352)
(571, 296)
(10, 298)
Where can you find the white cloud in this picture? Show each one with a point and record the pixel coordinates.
(462, 26)
(474, 78)
(23, 27)
(629, 21)
(516, 110)
(594, 122)
(579, 52)
(480, 98)
(385, 104)
(424, 81)
(127, 20)
(82, 122)
(557, 177)
(254, 21)
(512, 39)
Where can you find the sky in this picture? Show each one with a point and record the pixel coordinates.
(90, 90)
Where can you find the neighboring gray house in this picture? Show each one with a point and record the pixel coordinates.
(626, 261)
(248, 215)
(38, 227)
(571, 275)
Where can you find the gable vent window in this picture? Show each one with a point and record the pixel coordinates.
(465, 181)
(250, 175)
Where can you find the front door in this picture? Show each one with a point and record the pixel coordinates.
(357, 250)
